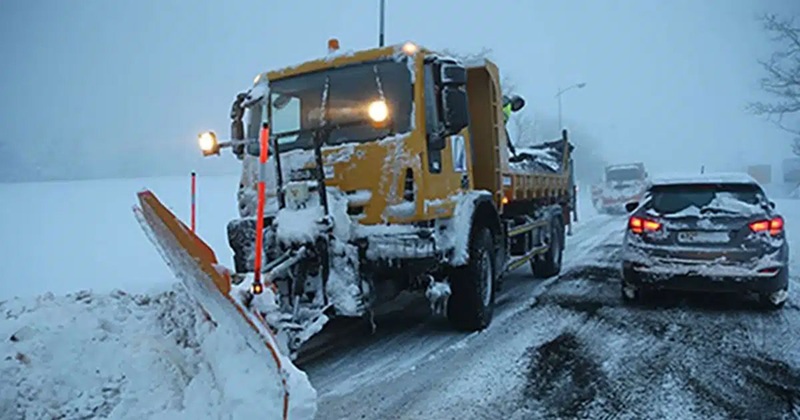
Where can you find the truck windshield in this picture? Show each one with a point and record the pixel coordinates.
(623, 174)
(297, 103)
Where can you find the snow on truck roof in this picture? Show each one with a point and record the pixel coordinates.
(709, 178)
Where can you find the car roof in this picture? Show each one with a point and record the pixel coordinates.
(708, 178)
(625, 166)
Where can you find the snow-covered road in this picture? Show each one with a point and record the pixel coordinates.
(560, 348)
(566, 348)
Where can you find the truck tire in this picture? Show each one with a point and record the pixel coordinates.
(241, 237)
(471, 302)
(549, 264)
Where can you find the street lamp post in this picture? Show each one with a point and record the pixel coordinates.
(381, 24)
(558, 96)
(572, 170)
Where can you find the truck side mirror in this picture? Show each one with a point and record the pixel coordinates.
(453, 74)
(456, 111)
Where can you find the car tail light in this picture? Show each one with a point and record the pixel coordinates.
(640, 224)
(774, 226)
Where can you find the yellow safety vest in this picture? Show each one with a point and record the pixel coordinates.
(506, 113)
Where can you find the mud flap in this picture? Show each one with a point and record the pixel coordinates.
(195, 265)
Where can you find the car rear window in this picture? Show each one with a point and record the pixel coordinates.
(667, 199)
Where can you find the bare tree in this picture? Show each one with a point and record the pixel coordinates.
(782, 78)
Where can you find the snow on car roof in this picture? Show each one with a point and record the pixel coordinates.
(625, 166)
(708, 178)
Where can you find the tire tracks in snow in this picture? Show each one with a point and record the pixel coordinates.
(719, 359)
(398, 370)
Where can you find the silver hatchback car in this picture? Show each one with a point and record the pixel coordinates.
(709, 233)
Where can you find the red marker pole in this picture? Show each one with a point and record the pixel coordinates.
(262, 158)
(194, 193)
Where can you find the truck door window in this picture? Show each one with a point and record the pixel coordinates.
(432, 124)
(286, 118)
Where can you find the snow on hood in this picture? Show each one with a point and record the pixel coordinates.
(297, 159)
(118, 355)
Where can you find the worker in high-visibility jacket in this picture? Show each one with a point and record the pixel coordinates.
(511, 104)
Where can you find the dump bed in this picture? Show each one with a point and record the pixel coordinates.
(541, 171)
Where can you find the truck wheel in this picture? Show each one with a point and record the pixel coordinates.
(550, 263)
(241, 235)
(471, 301)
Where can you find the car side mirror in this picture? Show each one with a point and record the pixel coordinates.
(631, 206)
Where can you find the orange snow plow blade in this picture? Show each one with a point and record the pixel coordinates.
(157, 215)
(193, 262)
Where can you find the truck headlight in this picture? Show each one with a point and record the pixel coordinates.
(378, 111)
(208, 143)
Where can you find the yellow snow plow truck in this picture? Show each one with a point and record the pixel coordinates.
(387, 170)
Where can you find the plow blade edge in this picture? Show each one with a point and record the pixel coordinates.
(193, 262)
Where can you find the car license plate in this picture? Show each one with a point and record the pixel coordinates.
(703, 237)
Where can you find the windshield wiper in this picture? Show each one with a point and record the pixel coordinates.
(716, 210)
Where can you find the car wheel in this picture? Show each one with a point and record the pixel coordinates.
(767, 302)
(629, 292)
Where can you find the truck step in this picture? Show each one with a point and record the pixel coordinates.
(517, 262)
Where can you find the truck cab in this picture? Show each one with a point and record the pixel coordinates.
(622, 183)
(388, 170)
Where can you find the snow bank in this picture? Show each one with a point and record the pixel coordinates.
(133, 356)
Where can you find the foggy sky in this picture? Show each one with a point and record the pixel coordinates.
(121, 88)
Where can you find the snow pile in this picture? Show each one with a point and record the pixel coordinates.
(301, 225)
(134, 356)
(543, 157)
(305, 225)
(536, 160)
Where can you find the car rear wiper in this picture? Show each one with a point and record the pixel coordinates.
(716, 210)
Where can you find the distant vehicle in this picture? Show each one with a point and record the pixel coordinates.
(622, 184)
(761, 173)
(713, 233)
(791, 170)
